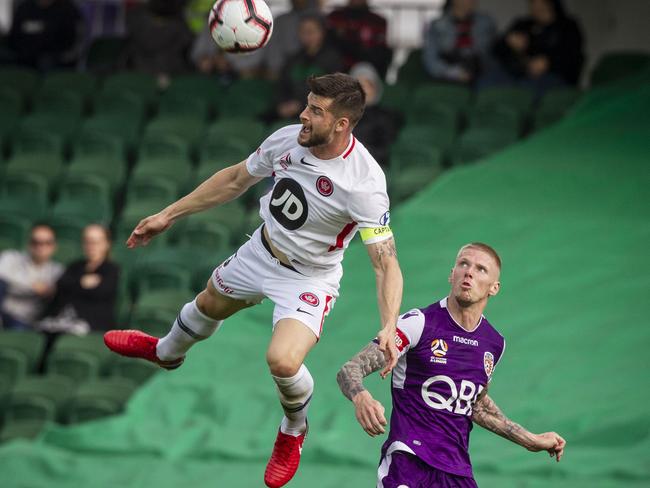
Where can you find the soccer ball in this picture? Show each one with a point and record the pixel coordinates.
(240, 26)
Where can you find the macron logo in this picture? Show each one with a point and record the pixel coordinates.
(465, 340)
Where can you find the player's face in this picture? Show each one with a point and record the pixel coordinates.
(318, 123)
(475, 277)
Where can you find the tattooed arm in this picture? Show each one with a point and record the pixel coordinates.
(369, 412)
(383, 256)
(489, 416)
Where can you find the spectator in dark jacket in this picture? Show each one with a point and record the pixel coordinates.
(315, 57)
(46, 34)
(360, 34)
(457, 45)
(379, 126)
(86, 293)
(540, 51)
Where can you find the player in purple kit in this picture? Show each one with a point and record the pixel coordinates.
(447, 354)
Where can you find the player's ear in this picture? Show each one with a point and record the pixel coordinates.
(494, 288)
(342, 124)
(450, 273)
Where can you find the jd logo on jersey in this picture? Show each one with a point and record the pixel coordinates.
(439, 350)
(288, 204)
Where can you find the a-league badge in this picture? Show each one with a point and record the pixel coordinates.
(488, 363)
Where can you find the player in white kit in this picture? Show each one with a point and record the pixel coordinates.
(327, 187)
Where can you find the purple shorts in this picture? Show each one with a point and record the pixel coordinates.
(408, 471)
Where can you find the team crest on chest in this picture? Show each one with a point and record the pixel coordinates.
(488, 363)
(324, 186)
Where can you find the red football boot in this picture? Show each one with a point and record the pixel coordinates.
(284, 459)
(137, 344)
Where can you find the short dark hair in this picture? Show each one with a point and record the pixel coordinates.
(485, 248)
(348, 98)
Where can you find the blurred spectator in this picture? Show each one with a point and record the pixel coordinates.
(209, 59)
(540, 51)
(27, 279)
(379, 126)
(361, 35)
(285, 42)
(45, 34)
(315, 57)
(457, 44)
(159, 39)
(86, 293)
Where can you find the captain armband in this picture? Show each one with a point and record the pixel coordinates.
(371, 235)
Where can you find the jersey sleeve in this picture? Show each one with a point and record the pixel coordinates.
(260, 163)
(370, 210)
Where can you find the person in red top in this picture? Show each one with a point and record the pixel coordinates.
(361, 35)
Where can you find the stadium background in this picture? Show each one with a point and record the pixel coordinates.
(567, 207)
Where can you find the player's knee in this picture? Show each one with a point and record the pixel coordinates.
(283, 364)
(208, 305)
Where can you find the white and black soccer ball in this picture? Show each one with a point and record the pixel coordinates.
(240, 26)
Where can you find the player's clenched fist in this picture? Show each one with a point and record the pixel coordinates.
(147, 229)
(551, 442)
(369, 413)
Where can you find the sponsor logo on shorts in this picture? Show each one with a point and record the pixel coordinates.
(488, 363)
(324, 186)
(310, 299)
(222, 285)
(465, 340)
(439, 350)
(384, 219)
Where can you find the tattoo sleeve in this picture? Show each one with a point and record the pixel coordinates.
(367, 361)
(386, 248)
(489, 416)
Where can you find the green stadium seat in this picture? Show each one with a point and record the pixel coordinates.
(427, 96)
(618, 65)
(141, 85)
(95, 144)
(144, 188)
(248, 132)
(80, 358)
(38, 398)
(201, 236)
(163, 302)
(69, 105)
(519, 99)
(127, 106)
(168, 146)
(13, 231)
(29, 188)
(476, 143)
(441, 117)
(136, 371)
(82, 84)
(126, 129)
(507, 118)
(84, 197)
(154, 321)
(397, 97)
(38, 141)
(13, 366)
(163, 268)
(188, 129)
(99, 398)
(31, 344)
(231, 215)
(184, 105)
(178, 171)
(22, 80)
(218, 155)
(104, 54)
(21, 429)
(12, 109)
(64, 125)
(245, 99)
(132, 214)
(198, 87)
(429, 135)
(554, 105)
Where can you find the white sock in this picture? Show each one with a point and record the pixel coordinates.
(190, 327)
(295, 393)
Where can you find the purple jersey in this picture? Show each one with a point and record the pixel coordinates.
(441, 370)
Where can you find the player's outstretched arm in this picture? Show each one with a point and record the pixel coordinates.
(383, 256)
(369, 412)
(221, 187)
(489, 416)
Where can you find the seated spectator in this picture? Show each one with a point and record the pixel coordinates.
(315, 57)
(86, 293)
(457, 44)
(361, 35)
(284, 42)
(27, 279)
(159, 39)
(540, 51)
(46, 34)
(379, 126)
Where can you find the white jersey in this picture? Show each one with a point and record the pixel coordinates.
(316, 206)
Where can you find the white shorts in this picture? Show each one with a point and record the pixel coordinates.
(253, 273)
